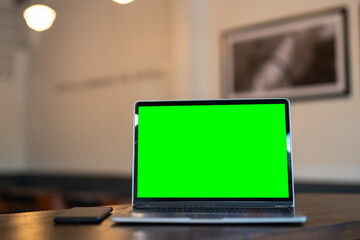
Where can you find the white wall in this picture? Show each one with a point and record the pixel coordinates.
(12, 91)
(87, 72)
(326, 133)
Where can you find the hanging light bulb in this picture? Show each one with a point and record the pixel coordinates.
(123, 1)
(39, 17)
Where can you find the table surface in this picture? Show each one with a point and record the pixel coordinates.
(330, 216)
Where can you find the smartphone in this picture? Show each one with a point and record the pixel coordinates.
(83, 215)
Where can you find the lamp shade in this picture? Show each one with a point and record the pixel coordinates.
(39, 17)
(123, 1)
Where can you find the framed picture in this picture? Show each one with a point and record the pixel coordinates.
(301, 57)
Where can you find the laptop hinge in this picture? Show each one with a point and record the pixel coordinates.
(141, 206)
(282, 206)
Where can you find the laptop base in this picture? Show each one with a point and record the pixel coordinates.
(207, 218)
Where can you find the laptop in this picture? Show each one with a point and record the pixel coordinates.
(212, 161)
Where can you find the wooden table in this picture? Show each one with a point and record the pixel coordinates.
(330, 216)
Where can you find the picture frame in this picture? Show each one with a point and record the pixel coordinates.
(298, 58)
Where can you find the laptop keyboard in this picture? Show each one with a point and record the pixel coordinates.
(215, 210)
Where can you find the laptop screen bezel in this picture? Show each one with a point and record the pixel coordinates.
(212, 201)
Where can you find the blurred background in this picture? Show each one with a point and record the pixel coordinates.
(67, 94)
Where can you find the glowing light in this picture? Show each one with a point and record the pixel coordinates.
(123, 1)
(136, 121)
(288, 142)
(39, 17)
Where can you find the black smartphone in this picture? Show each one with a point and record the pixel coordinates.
(83, 215)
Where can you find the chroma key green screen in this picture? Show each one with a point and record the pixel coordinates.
(212, 151)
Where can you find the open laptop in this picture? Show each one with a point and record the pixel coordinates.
(212, 161)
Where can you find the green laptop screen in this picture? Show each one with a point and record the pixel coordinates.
(212, 151)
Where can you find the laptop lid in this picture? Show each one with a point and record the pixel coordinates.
(233, 152)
